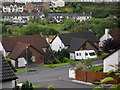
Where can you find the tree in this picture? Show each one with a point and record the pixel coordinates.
(8, 23)
(110, 44)
(68, 24)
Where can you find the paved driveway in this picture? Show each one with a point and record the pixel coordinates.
(46, 76)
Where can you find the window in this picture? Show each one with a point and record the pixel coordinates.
(78, 54)
(33, 58)
(86, 54)
(92, 54)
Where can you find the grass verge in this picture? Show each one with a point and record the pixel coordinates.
(37, 86)
(95, 69)
(54, 65)
(20, 70)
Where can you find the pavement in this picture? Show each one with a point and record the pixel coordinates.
(58, 77)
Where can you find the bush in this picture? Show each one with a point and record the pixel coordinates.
(63, 53)
(27, 85)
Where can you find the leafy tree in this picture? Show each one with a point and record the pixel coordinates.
(68, 24)
(63, 53)
(4, 28)
(8, 23)
(110, 44)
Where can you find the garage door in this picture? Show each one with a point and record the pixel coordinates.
(21, 62)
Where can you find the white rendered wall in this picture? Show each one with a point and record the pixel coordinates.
(57, 44)
(104, 37)
(72, 56)
(8, 84)
(21, 62)
(111, 60)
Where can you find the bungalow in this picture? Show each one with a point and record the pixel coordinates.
(20, 18)
(112, 59)
(109, 34)
(80, 44)
(61, 41)
(7, 76)
(77, 17)
(25, 48)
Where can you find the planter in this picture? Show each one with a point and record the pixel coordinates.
(72, 73)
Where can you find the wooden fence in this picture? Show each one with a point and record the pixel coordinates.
(89, 76)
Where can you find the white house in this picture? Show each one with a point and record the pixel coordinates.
(77, 17)
(61, 41)
(13, 7)
(112, 59)
(109, 34)
(19, 18)
(106, 36)
(58, 3)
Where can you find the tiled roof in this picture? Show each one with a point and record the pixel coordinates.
(115, 34)
(67, 14)
(7, 72)
(67, 37)
(20, 50)
(76, 43)
(22, 14)
(35, 41)
(10, 3)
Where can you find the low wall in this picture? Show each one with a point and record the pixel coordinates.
(89, 76)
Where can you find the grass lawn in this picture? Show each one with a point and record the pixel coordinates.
(37, 86)
(57, 65)
(54, 65)
(20, 70)
(95, 69)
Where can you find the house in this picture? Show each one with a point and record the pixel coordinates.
(7, 76)
(11, 7)
(109, 34)
(2, 49)
(22, 18)
(16, 48)
(36, 6)
(112, 59)
(58, 3)
(80, 44)
(61, 41)
(77, 17)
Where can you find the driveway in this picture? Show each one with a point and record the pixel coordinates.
(58, 77)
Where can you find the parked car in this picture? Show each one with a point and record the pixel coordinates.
(85, 54)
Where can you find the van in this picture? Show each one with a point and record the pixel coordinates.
(85, 54)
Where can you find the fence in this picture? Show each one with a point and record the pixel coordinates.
(89, 76)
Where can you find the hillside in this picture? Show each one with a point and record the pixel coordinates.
(99, 10)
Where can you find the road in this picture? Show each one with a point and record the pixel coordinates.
(58, 77)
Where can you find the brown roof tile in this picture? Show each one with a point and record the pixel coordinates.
(115, 34)
(35, 41)
(19, 50)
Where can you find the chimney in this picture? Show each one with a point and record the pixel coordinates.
(106, 34)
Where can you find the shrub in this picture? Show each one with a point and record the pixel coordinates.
(51, 87)
(27, 85)
(63, 53)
